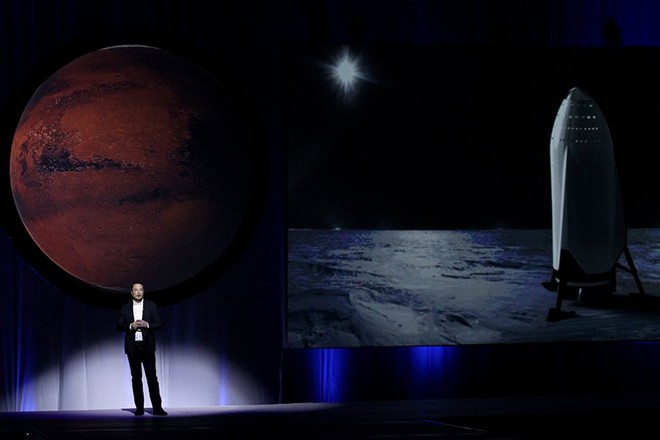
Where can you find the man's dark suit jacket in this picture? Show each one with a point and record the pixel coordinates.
(149, 314)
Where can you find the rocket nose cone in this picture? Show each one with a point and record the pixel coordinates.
(577, 94)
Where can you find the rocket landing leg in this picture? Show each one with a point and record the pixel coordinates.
(556, 313)
(563, 290)
(631, 269)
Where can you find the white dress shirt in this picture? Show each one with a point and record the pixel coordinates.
(137, 315)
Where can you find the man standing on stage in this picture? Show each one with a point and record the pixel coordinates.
(139, 319)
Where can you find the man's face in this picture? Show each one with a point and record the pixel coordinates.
(137, 292)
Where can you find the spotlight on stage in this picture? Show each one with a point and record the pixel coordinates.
(588, 231)
(97, 377)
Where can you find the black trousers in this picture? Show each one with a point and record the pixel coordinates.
(147, 359)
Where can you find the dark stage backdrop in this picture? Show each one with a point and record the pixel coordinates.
(223, 340)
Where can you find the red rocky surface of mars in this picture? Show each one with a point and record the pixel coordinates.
(131, 163)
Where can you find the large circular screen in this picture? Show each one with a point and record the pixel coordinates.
(131, 163)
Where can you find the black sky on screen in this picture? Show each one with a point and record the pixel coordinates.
(453, 138)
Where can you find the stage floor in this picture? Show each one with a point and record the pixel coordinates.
(507, 418)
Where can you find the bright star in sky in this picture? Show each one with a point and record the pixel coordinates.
(346, 72)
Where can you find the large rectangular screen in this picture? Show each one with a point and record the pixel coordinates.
(419, 193)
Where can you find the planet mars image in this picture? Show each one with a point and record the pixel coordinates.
(131, 163)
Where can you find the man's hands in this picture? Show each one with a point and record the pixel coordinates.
(139, 324)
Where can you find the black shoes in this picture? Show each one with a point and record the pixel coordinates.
(139, 412)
